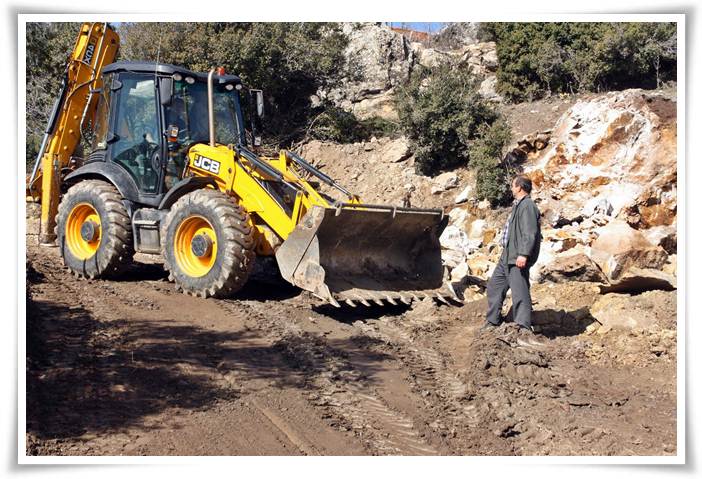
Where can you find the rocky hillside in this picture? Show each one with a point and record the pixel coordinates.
(383, 59)
(605, 180)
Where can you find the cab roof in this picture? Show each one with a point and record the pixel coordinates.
(165, 69)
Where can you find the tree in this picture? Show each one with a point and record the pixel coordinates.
(289, 61)
(537, 59)
(48, 48)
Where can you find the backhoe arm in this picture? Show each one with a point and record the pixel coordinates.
(95, 47)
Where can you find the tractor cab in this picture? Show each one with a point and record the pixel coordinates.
(149, 115)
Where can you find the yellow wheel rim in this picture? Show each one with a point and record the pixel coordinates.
(189, 262)
(81, 245)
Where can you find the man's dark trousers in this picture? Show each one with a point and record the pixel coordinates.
(507, 277)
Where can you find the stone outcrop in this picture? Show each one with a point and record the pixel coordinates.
(384, 59)
(620, 148)
(606, 186)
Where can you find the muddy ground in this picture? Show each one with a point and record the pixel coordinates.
(132, 367)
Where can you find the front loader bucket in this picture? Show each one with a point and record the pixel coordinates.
(363, 253)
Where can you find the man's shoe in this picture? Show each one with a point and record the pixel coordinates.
(527, 338)
(488, 326)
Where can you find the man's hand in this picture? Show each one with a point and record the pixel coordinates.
(521, 261)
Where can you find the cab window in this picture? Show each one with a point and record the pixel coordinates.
(136, 129)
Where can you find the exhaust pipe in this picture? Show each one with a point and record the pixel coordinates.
(210, 105)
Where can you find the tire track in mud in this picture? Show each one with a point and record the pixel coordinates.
(338, 386)
(429, 371)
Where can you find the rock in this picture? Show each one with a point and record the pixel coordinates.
(597, 205)
(625, 312)
(488, 89)
(479, 265)
(671, 266)
(484, 205)
(576, 267)
(464, 195)
(619, 247)
(459, 217)
(443, 182)
(620, 147)
(452, 258)
(396, 151)
(429, 57)
(477, 230)
(458, 34)
(563, 308)
(452, 238)
(382, 59)
(637, 280)
(459, 273)
(381, 105)
(664, 236)
(489, 235)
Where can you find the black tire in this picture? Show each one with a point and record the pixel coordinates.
(115, 249)
(235, 256)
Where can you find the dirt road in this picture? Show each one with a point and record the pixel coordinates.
(131, 367)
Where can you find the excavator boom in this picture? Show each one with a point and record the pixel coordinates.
(95, 47)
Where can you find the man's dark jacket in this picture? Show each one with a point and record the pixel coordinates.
(524, 233)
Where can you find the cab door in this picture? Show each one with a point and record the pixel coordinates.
(135, 141)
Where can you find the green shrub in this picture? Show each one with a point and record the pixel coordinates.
(536, 59)
(440, 112)
(492, 176)
(335, 124)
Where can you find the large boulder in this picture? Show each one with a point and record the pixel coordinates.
(614, 155)
(575, 267)
(563, 308)
(644, 311)
(637, 280)
(396, 150)
(620, 247)
(444, 181)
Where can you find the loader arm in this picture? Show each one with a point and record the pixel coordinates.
(338, 250)
(95, 47)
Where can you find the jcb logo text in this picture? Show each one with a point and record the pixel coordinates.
(207, 164)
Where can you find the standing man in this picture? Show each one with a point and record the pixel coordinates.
(521, 241)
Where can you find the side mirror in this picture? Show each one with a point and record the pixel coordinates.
(256, 101)
(166, 91)
(258, 96)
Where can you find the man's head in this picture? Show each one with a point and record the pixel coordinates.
(521, 186)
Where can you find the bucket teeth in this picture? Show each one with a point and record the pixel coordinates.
(390, 300)
(442, 299)
(377, 301)
(405, 300)
(350, 303)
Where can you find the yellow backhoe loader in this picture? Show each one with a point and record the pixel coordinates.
(171, 170)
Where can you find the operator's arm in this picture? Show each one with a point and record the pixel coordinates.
(528, 219)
